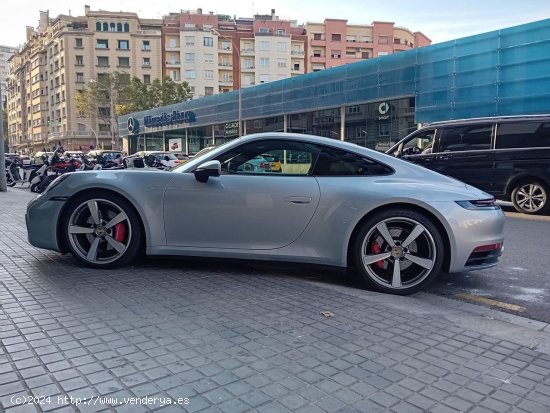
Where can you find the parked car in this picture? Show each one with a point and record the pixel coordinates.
(508, 157)
(396, 224)
(38, 158)
(265, 162)
(182, 156)
(152, 159)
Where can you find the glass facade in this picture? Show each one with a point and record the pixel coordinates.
(375, 102)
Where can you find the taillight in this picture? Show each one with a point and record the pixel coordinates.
(478, 204)
(489, 247)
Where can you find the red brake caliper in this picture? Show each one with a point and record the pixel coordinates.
(375, 248)
(120, 232)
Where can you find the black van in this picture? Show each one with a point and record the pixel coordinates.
(508, 157)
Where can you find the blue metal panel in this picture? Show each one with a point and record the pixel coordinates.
(504, 72)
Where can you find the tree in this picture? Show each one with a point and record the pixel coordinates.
(105, 99)
(143, 96)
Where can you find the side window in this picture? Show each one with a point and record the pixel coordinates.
(270, 157)
(523, 135)
(422, 142)
(337, 162)
(465, 138)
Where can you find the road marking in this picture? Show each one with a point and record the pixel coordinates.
(488, 301)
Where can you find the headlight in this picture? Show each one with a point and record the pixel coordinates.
(479, 204)
(56, 182)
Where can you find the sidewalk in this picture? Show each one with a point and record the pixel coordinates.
(178, 335)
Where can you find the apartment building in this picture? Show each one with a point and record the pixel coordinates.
(218, 54)
(58, 60)
(334, 42)
(5, 53)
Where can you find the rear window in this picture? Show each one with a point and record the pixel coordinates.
(523, 135)
(337, 162)
(465, 138)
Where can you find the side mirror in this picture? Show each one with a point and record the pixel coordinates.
(208, 169)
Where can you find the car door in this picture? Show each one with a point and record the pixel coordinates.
(465, 152)
(243, 209)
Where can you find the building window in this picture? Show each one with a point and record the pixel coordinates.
(174, 75)
(146, 45)
(384, 130)
(247, 80)
(248, 64)
(365, 55)
(396, 40)
(226, 45)
(383, 39)
(189, 57)
(105, 27)
(264, 61)
(189, 41)
(336, 54)
(351, 39)
(126, 27)
(119, 27)
(317, 36)
(264, 30)
(317, 53)
(79, 60)
(123, 62)
(123, 44)
(281, 46)
(103, 61)
(147, 79)
(208, 58)
(102, 44)
(78, 43)
(365, 39)
(336, 37)
(264, 46)
(98, 26)
(209, 74)
(190, 74)
(264, 78)
(383, 53)
(208, 91)
(112, 27)
(146, 61)
(209, 41)
(280, 32)
(281, 63)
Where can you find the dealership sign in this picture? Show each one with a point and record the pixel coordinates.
(164, 119)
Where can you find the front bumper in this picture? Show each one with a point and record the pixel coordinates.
(42, 218)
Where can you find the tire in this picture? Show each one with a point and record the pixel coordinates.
(530, 197)
(102, 230)
(10, 182)
(400, 268)
(34, 187)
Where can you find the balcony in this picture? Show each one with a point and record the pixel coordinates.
(149, 32)
(247, 52)
(318, 59)
(224, 65)
(318, 43)
(173, 64)
(228, 50)
(297, 53)
(248, 69)
(223, 82)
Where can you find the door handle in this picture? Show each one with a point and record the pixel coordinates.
(298, 200)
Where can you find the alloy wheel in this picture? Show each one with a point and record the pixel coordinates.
(99, 231)
(398, 253)
(530, 198)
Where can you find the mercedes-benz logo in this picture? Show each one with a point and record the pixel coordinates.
(132, 125)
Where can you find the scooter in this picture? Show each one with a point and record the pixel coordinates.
(43, 176)
(12, 173)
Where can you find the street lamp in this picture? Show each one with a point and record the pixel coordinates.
(217, 33)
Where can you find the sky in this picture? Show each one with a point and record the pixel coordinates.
(440, 20)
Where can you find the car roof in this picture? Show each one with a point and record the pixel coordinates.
(541, 117)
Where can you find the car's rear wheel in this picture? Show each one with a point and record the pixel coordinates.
(398, 251)
(102, 231)
(530, 197)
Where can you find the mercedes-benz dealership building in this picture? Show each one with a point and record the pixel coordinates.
(372, 103)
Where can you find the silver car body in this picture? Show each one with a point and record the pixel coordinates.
(288, 218)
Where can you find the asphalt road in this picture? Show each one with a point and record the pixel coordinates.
(520, 283)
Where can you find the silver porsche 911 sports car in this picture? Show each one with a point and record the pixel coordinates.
(319, 201)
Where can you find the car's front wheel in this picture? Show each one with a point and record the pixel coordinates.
(530, 197)
(102, 230)
(398, 251)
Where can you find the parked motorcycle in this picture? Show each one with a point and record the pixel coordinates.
(52, 168)
(12, 172)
